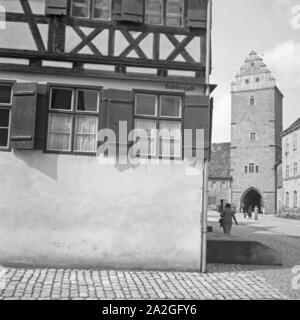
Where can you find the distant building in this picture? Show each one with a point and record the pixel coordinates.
(219, 186)
(255, 147)
(291, 170)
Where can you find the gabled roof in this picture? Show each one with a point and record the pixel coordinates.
(294, 126)
(219, 166)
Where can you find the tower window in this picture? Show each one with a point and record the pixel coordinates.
(247, 81)
(252, 101)
(253, 137)
(257, 169)
(251, 168)
(257, 80)
(246, 169)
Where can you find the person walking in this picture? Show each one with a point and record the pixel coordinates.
(256, 211)
(227, 215)
(249, 213)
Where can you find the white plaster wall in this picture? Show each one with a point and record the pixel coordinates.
(67, 210)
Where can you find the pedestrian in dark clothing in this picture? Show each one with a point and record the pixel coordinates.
(227, 215)
(250, 213)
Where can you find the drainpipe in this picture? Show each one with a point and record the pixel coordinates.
(205, 169)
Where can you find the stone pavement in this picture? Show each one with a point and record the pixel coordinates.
(218, 284)
(221, 281)
(283, 235)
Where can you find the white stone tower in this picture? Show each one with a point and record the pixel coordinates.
(255, 135)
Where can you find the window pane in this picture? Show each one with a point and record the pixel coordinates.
(147, 146)
(5, 93)
(59, 132)
(3, 137)
(80, 8)
(102, 9)
(61, 99)
(146, 104)
(86, 129)
(170, 106)
(87, 100)
(4, 118)
(154, 12)
(170, 138)
(60, 123)
(174, 13)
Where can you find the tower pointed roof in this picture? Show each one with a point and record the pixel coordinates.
(254, 74)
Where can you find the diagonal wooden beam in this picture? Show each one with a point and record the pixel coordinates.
(87, 40)
(33, 26)
(133, 44)
(180, 48)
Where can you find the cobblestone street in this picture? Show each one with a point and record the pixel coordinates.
(221, 281)
(89, 284)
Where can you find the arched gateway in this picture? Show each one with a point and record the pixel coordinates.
(251, 198)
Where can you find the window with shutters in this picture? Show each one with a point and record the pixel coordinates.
(160, 116)
(164, 12)
(73, 119)
(251, 168)
(91, 9)
(174, 13)
(154, 12)
(5, 111)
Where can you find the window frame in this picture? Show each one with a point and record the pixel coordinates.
(159, 118)
(7, 106)
(91, 11)
(253, 137)
(251, 167)
(295, 200)
(73, 113)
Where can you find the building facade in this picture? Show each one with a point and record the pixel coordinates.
(70, 68)
(219, 186)
(290, 171)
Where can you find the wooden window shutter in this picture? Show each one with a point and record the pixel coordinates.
(56, 7)
(119, 107)
(198, 116)
(23, 116)
(41, 117)
(197, 13)
(133, 10)
(117, 12)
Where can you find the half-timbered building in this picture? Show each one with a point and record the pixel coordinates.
(69, 68)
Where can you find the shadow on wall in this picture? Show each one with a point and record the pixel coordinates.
(45, 163)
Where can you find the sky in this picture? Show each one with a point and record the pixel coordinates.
(272, 29)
